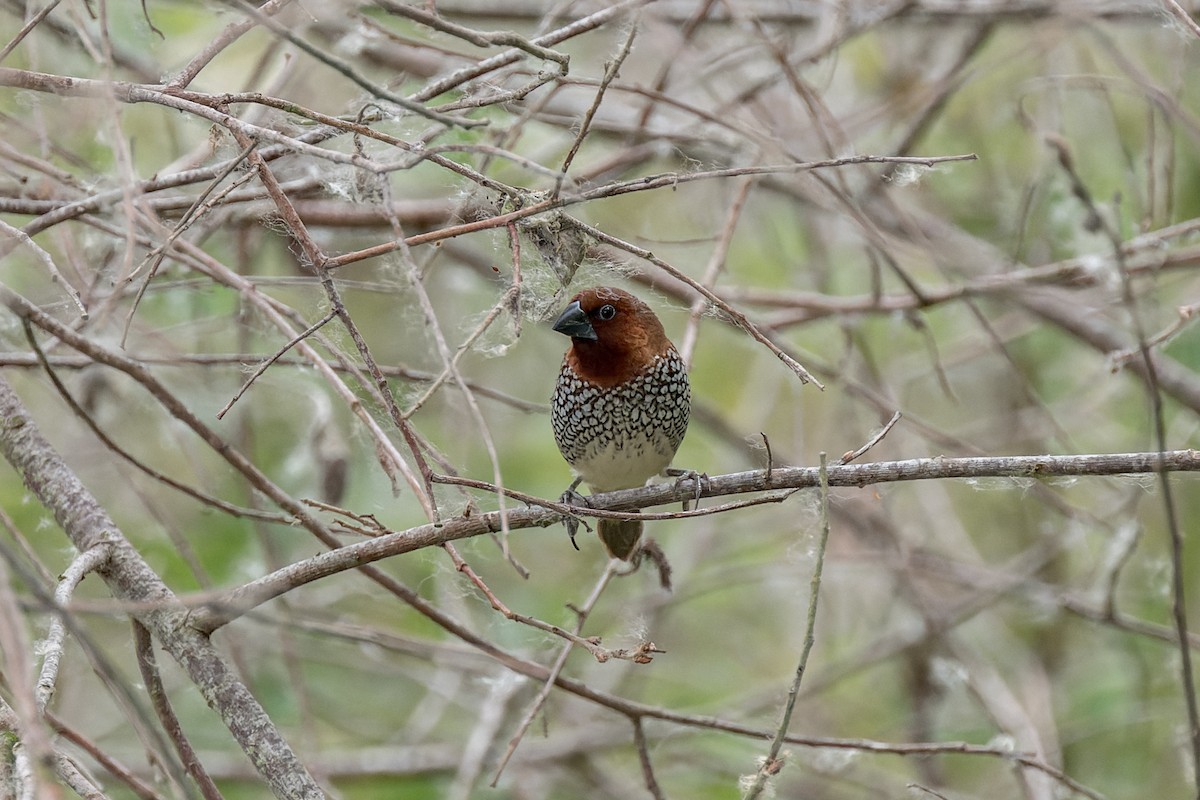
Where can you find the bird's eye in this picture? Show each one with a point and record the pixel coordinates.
(607, 312)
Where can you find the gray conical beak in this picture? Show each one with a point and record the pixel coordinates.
(574, 322)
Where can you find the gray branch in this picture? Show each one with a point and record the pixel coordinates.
(780, 483)
(131, 579)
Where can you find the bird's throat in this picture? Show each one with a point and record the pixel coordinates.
(607, 366)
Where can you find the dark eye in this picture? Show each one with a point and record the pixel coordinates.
(607, 312)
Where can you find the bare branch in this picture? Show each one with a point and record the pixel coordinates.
(355, 555)
(770, 765)
(129, 577)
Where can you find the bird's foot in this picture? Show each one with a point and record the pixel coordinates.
(700, 480)
(573, 498)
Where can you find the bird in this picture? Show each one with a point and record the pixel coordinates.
(621, 405)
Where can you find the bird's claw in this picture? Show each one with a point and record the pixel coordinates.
(573, 498)
(700, 482)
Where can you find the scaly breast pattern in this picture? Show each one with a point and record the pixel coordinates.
(618, 437)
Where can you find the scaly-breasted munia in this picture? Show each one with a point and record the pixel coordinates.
(621, 405)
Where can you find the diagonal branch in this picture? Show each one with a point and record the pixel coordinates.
(130, 578)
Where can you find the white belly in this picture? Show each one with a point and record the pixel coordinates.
(608, 467)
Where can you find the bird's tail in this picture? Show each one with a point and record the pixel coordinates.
(620, 536)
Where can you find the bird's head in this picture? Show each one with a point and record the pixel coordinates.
(614, 335)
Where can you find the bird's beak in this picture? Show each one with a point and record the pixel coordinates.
(574, 322)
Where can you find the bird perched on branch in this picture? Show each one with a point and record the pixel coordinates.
(621, 405)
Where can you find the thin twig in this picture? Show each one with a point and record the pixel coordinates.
(770, 458)
(152, 680)
(1184, 18)
(716, 265)
(649, 183)
(155, 258)
(875, 439)
(591, 643)
(451, 368)
(773, 762)
(554, 672)
(916, 787)
(166, 398)
(202, 497)
(1187, 315)
(34, 20)
(576, 28)
(262, 367)
(611, 69)
(643, 751)
(325, 56)
(23, 717)
(1151, 374)
(125, 775)
(477, 38)
(737, 317)
(48, 262)
(230, 34)
(443, 350)
(318, 261)
(51, 647)
(68, 361)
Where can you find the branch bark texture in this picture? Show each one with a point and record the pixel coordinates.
(130, 578)
(783, 481)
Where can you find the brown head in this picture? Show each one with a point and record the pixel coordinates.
(614, 335)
